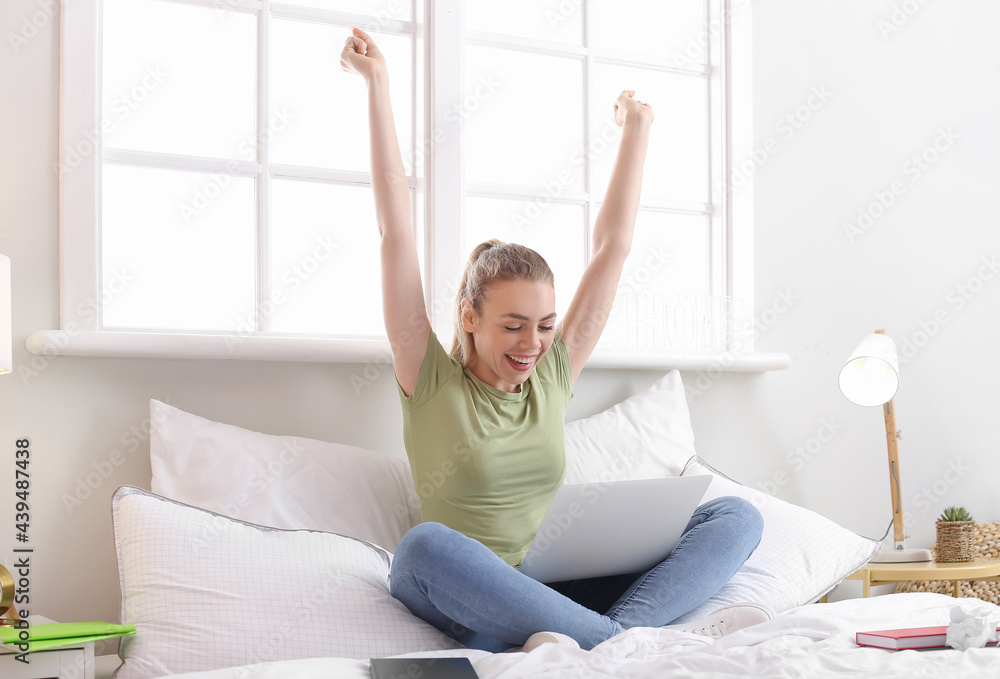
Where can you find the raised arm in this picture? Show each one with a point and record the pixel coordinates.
(402, 293)
(588, 312)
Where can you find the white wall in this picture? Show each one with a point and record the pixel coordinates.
(889, 97)
(892, 91)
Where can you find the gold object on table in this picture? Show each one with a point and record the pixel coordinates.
(8, 613)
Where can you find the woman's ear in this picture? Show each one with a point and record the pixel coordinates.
(468, 316)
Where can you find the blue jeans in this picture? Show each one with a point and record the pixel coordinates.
(461, 587)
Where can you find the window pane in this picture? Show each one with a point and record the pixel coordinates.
(325, 267)
(677, 157)
(523, 122)
(178, 78)
(556, 231)
(328, 107)
(672, 30)
(549, 20)
(177, 249)
(664, 285)
(381, 10)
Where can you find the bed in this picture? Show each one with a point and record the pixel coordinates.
(809, 642)
(268, 556)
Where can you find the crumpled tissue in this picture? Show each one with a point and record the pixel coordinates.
(972, 628)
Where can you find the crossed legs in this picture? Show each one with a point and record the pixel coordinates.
(461, 587)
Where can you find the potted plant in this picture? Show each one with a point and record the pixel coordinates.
(956, 536)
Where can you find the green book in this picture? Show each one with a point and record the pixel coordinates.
(59, 634)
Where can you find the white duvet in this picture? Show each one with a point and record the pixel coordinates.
(810, 641)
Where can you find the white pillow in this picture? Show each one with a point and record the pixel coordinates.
(281, 481)
(205, 592)
(647, 435)
(801, 555)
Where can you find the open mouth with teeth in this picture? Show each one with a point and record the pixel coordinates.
(520, 363)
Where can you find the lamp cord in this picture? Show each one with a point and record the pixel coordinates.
(886, 533)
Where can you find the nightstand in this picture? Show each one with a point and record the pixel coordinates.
(70, 662)
(885, 573)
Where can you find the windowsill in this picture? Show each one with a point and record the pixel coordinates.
(319, 350)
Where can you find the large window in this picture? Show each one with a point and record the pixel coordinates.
(540, 146)
(214, 168)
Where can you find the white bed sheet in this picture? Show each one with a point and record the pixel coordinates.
(810, 641)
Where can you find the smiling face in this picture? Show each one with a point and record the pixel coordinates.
(514, 330)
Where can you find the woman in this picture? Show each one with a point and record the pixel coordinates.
(483, 425)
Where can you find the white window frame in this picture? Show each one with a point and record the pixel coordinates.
(440, 199)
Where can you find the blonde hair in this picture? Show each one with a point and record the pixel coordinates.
(493, 261)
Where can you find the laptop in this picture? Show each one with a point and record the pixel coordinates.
(612, 528)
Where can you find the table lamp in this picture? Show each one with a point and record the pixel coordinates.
(8, 613)
(870, 378)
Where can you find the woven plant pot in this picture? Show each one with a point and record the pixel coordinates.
(956, 541)
(987, 547)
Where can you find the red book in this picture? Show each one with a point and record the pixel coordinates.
(912, 637)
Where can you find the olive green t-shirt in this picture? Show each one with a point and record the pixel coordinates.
(487, 462)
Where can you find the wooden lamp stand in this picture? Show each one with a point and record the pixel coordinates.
(899, 553)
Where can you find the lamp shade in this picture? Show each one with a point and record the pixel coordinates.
(6, 342)
(871, 375)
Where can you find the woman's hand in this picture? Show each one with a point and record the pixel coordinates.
(362, 56)
(587, 314)
(626, 107)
